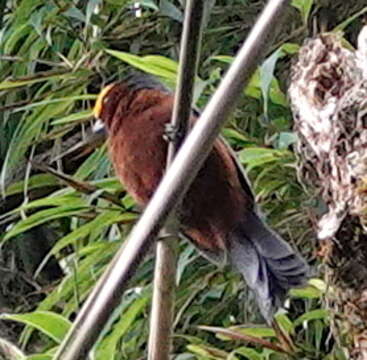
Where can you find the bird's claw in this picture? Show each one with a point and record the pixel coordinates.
(172, 133)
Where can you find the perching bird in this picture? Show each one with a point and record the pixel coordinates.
(218, 214)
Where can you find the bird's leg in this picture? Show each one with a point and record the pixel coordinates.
(172, 133)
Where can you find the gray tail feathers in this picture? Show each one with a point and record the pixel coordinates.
(268, 264)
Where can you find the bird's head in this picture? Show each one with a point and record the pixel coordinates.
(120, 95)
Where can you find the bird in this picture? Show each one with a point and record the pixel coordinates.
(218, 214)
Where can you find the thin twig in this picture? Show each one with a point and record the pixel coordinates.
(82, 186)
(243, 337)
(40, 61)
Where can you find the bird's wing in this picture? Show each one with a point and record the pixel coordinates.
(242, 176)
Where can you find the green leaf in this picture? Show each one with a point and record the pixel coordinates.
(259, 332)
(93, 259)
(42, 217)
(73, 200)
(67, 99)
(81, 115)
(19, 32)
(304, 7)
(168, 9)
(318, 314)
(96, 226)
(106, 349)
(284, 322)
(93, 162)
(49, 323)
(159, 66)
(208, 352)
(286, 139)
(10, 84)
(318, 327)
(236, 137)
(75, 14)
(308, 292)
(258, 82)
(186, 258)
(106, 218)
(150, 4)
(290, 48)
(34, 182)
(153, 64)
(23, 9)
(349, 20)
(255, 156)
(29, 129)
(249, 353)
(267, 75)
(92, 5)
(319, 284)
(223, 58)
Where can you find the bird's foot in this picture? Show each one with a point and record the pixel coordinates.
(172, 133)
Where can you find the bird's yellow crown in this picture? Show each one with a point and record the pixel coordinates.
(99, 102)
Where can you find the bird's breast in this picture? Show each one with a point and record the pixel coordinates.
(139, 153)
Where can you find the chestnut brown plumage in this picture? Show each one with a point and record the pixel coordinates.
(218, 214)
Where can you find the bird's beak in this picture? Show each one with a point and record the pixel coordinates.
(94, 138)
(98, 126)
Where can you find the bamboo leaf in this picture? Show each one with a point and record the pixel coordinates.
(255, 156)
(39, 357)
(106, 349)
(42, 217)
(34, 182)
(319, 314)
(10, 84)
(249, 353)
(349, 20)
(304, 7)
(208, 352)
(154, 64)
(49, 323)
(81, 115)
(103, 220)
(267, 76)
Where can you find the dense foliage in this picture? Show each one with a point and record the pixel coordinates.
(59, 229)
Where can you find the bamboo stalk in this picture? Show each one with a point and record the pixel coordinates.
(166, 258)
(161, 318)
